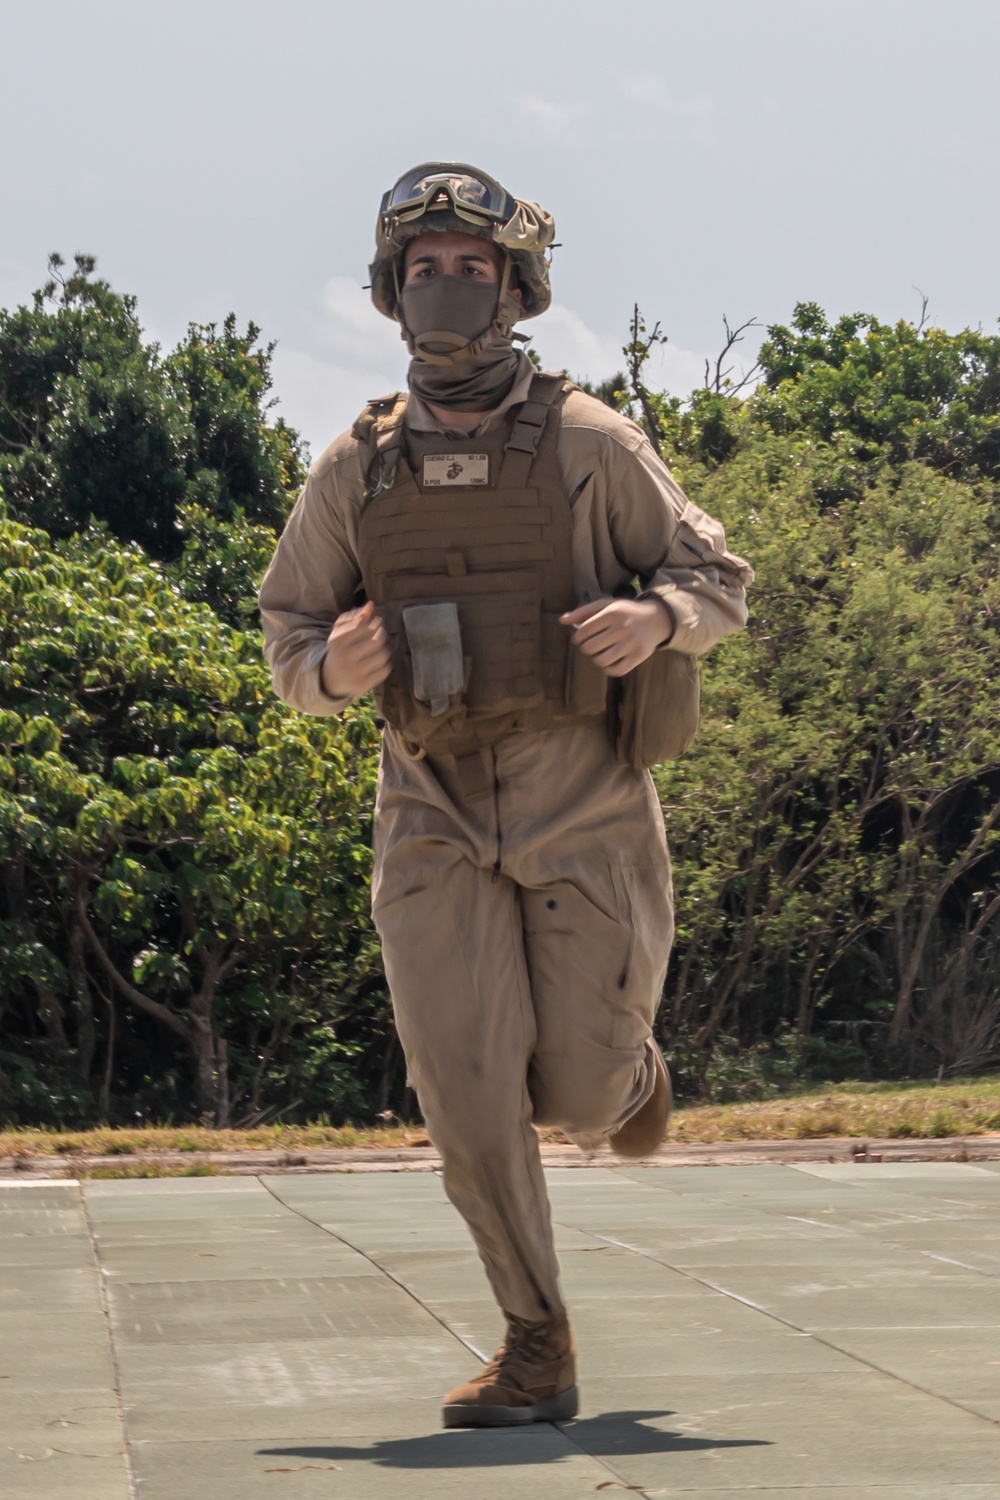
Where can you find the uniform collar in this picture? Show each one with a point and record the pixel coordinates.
(420, 418)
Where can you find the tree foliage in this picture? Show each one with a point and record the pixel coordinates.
(173, 841)
(184, 926)
(844, 888)
(95, 425)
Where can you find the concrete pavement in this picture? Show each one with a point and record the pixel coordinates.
(828, 1328)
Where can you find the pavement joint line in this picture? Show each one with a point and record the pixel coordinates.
(559, 1426)
(949, 1261)
(787, 1323)
(818, 1224)
(29, 1182)
(133, 1487)
(325, 1229)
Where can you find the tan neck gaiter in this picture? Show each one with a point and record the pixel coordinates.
(460, 359)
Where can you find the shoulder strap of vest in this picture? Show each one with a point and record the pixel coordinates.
(379, 431)
(529, 424)
(378, 407)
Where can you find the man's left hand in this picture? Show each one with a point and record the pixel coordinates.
(618, 634)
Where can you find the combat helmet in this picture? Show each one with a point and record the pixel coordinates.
(452, 195)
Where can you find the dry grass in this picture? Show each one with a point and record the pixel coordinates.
(853, 1110)
(148, 1169)
(127, 1141)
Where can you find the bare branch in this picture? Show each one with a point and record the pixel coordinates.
(720, 382)
(636, 352)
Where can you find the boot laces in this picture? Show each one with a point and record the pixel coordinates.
(526, 1344)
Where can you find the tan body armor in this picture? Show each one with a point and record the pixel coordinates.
(481, 527)
(500, 549)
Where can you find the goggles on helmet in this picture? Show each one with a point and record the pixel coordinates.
(470, 194)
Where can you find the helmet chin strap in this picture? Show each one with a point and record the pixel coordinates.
(501, 328)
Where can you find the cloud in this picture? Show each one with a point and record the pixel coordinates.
(320, 398)
(693, 120)
(647, 88)
(354, 353)
(554, 120)
(352, 328)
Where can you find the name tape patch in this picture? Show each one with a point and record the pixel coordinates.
(456, 468)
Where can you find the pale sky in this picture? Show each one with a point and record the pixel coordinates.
(701, 158)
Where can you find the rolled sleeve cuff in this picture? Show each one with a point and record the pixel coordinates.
(688, 628)
(702, 618)
(304, 691)
(325, 704)
(670, 614)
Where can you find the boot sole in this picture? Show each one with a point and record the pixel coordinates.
(559, 1408)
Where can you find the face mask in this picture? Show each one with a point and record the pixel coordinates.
(450, 305)
(459, 359)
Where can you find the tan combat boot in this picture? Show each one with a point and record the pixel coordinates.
(531, 1378)
(644, 1132)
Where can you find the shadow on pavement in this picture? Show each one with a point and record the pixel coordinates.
(612, 1433)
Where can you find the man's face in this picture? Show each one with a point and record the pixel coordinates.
(450, 253)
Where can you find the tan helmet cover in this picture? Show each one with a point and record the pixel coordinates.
(525, 237)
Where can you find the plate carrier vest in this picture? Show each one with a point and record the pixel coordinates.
(500, 550)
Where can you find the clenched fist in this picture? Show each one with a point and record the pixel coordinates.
(357, 654)
(618, 634)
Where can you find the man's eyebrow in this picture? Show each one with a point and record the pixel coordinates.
(430, 256)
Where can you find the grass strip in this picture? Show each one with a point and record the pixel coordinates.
(853, 1110)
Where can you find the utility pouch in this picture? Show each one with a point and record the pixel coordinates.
(586, 686)
(435, 641)
(655, 713)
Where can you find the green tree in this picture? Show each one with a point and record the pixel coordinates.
(95, 425)
(182, 845)
(843, 878)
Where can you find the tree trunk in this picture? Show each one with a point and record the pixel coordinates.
(203, 1047)
(86, 1029)
(387, 1075)
(221, 1084)
(104, 1093)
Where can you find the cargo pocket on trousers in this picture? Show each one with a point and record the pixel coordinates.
(640, 981)
(577, 947)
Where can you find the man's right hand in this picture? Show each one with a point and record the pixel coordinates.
(357, 654)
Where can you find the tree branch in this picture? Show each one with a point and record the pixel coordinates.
(127, 991)
(720, 381)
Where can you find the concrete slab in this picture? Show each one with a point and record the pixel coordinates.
(535, 1464)
(194, 1312)
(959, 1364)
(307, 1389)
(852, 1429)
(61, 1431)
(54, 1474)
(873, 1174)
(761, 1330)
(233, 1258)
(848, 1492)
(78, 1421)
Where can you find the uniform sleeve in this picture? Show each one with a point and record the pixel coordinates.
(678, 552)
(312, 578)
